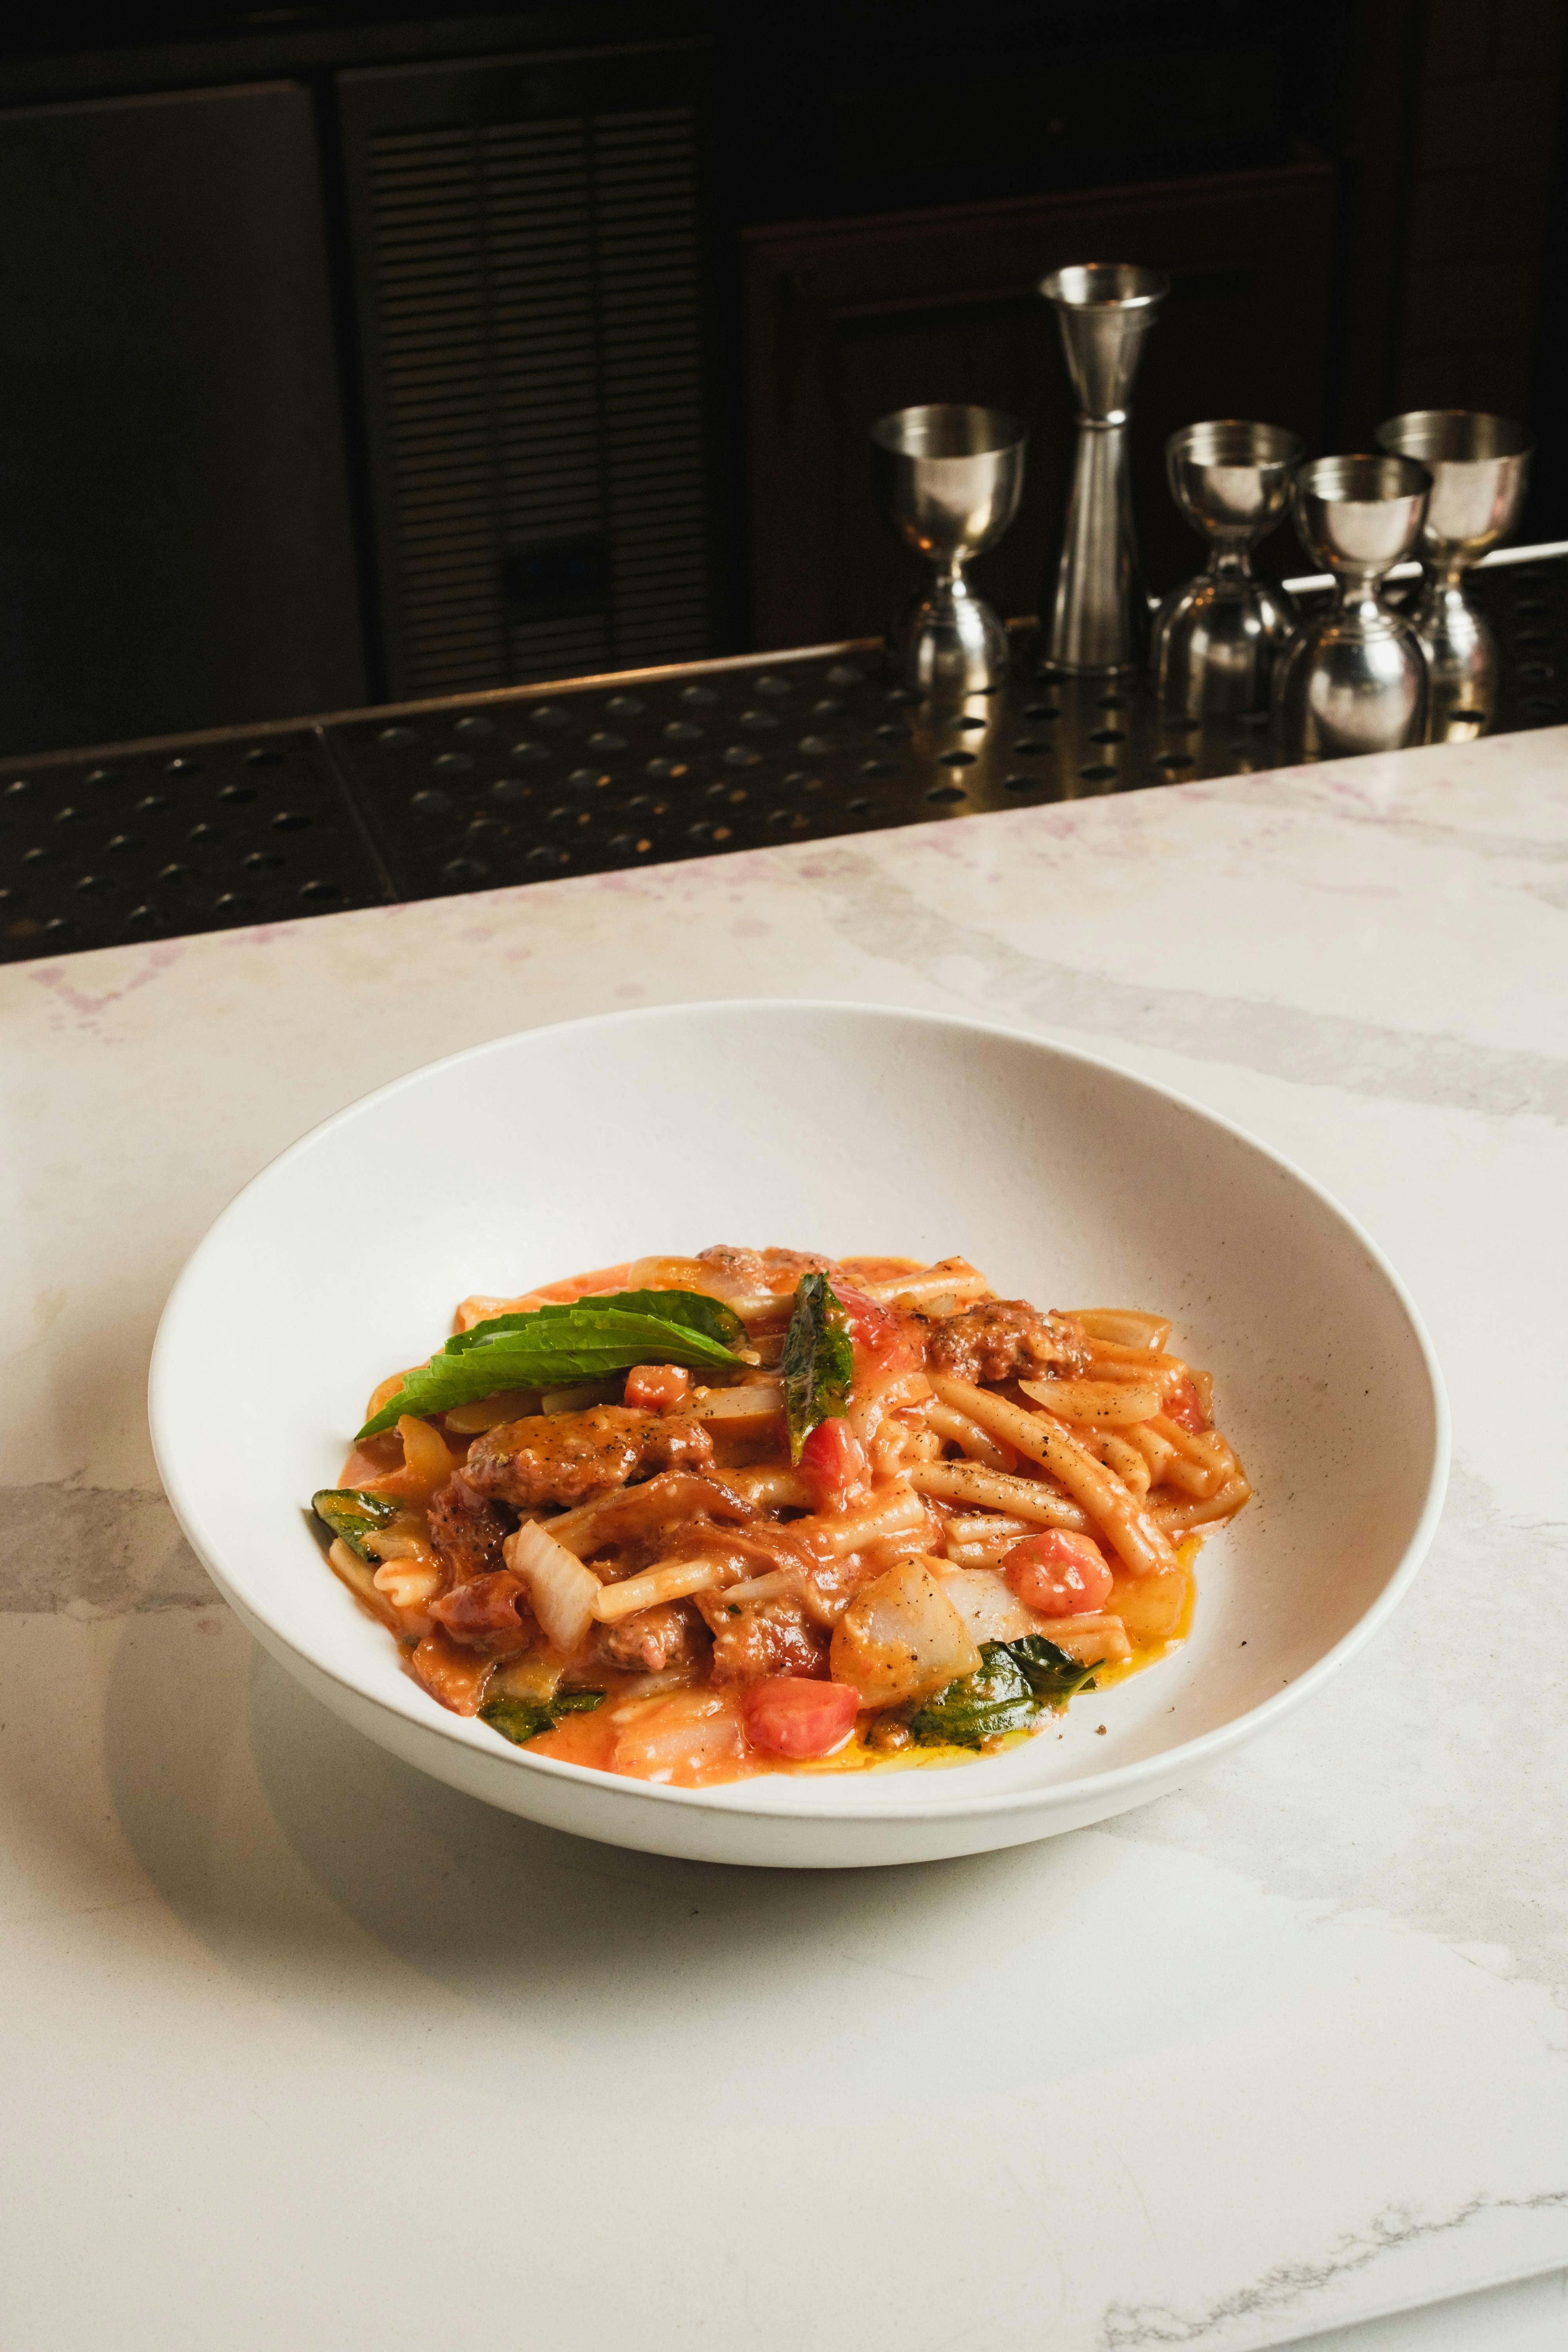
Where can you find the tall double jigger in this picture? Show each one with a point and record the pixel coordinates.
(1356, 679)
(1098, 609)
(1216, 639)
(949, 477)
(1481, 468)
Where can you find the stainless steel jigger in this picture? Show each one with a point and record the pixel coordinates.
(1356, 679)
(949, 477)
(1099, 610)
(1216, 637)
(1481, 468)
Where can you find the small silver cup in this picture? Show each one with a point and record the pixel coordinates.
(1480, 470)
(1356, 679)
(949, 477)
(1216, 639)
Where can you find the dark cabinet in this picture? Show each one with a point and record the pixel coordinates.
(530, 253)
(175, 547)
(413, 369)
(847, 320)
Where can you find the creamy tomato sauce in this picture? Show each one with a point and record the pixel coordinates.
(873, 1514)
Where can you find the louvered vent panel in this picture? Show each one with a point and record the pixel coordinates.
(570, 649)
(538, 219)
(539, 318)
(439, 407)
(646, 176)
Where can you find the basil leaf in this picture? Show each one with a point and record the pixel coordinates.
(1015, 1684)
(693, 1311)
(818, 1362)
(995, 1698)
(354, 1512)
(523, 1719)
(1050, 1674)
(552, 1345)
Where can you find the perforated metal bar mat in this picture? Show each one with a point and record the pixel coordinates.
(199, 835)
(435, 799)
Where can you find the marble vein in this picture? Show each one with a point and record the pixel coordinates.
(1301, 796)
(1132, 2328)
(80, 1550)
(1372, 1894)
(1457, 1726)
(1430, 833)
(884, 916)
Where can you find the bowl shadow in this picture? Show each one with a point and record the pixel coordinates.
(496, 1910)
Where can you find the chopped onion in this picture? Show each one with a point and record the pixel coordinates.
(682, 1739)
(561, 1591)
(900, 1638)
(1113, 1404)
(991, 1610)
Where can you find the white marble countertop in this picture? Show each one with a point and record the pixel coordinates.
(302, 2048)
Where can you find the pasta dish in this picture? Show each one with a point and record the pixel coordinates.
(694, 1519)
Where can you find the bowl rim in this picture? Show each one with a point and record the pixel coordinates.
(727, 1800)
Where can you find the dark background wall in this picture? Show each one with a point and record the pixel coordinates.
(173, 509)
(355, 351)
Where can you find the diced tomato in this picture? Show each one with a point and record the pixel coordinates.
(655, 1388)
(798, 1718)
(867, 1320)
(1060, 1575)
(879, 1334)
(833, 1463)
(1182, 1405)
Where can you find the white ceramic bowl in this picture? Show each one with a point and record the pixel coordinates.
(843, 1128)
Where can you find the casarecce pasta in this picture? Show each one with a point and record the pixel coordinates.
(691, 1520)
